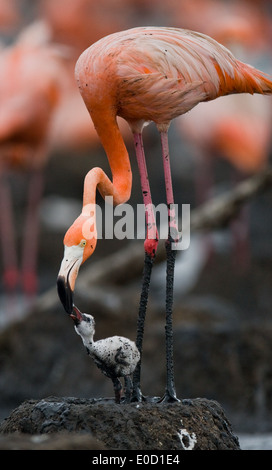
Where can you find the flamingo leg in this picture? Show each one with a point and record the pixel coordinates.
(128, 388)
(171, 251)
(150, 245)
(8, 239)
(117, 386)
(30, 246)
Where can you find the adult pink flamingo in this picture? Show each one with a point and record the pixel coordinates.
(145, 74)
(30, 86)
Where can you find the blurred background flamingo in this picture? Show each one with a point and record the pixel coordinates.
(9, 16)
(76, 24)
(31, 77)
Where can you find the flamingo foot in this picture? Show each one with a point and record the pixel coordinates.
(137, 395)
(169, 398)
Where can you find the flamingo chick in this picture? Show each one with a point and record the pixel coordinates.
(115, 356)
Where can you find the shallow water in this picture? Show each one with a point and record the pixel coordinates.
(255, 441)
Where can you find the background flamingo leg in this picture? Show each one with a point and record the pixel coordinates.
(31, 232)
(241, 240)
(8, 238)
(150, 245)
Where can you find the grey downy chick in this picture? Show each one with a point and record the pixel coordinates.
(115, 356)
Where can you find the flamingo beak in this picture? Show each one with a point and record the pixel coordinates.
(65, 294)
(76, 315)
(67, 277)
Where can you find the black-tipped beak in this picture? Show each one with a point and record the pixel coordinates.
(65, 294)
(76, 315)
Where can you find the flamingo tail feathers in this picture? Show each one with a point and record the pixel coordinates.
(255, 81)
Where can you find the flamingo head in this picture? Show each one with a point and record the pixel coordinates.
(84, 324)
(79, 244)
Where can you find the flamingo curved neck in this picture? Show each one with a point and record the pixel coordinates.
(120, 186)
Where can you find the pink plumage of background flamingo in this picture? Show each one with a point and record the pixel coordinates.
(9, 15)
(145, 74)
(31, 74)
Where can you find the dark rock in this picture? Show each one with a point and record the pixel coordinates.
(197, 424)
(41, 356)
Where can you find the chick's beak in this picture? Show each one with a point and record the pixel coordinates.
(76, 315)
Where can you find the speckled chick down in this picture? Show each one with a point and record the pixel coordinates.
(116, 356)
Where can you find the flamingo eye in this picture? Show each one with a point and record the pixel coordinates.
(82, 243)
